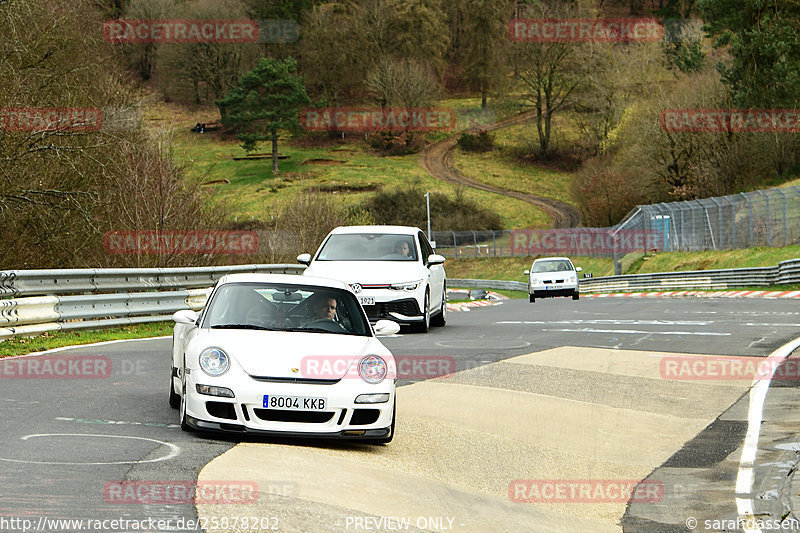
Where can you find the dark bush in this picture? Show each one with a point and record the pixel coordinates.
(396, 143)
(407, 207)
(482, 142)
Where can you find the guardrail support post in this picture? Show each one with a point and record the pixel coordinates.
(733, 219)
(719, 228)
(766, 216)
(750, 215)
(785, 231)
(475, 241)
(617, 266)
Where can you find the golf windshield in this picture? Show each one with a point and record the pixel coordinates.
(552, 266)
(368, 247)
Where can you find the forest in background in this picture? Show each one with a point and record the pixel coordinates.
(596, 105)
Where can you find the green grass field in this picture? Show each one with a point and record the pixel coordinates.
(350, 168)
(48, 341)
(354, 172)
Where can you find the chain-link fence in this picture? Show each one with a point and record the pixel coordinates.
(768, 217)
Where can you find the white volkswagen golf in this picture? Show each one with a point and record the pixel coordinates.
(392, 269)
(287, 355)
(553, 276)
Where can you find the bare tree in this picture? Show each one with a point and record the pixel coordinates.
(203, 72)
(331, 58)
(63, 185)
(142, 56)
(403, 83)
(550, 74)
(622, 74)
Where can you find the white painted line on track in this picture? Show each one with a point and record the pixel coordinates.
(174, 450)
(610, 322)
(639, 332)
(755, 414)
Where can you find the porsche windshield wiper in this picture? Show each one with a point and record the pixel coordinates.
(243, 326)
(319, 330)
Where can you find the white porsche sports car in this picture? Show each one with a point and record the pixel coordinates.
(282, 354)
(392, 269)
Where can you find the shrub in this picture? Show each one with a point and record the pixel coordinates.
(482, 142)
(396, 143)
(407, 207)
(605, 196)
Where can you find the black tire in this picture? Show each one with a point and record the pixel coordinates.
(425, 325)
(440, 319)
(184, 425)
(531, 299)
(387, 440)
(576, 296)
(174, 398)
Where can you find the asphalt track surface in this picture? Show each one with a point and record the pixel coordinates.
(64, 442)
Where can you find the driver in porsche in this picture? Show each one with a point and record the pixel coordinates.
(324, 308)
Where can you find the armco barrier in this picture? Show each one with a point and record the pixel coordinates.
(37, 301)
(787, 272)
(51, 300)
(494, 284)
(92, 280)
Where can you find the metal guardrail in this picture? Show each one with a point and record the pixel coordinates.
(785, 273)
(96, 280)
(52, 300)
(494, 284)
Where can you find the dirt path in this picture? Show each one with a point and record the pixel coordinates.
(437, 159)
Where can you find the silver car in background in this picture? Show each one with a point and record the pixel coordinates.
(553, 276)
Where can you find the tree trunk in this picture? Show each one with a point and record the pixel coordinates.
(543, 137)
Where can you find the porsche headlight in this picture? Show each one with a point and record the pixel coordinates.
(372, 369)
(410, 286)
(214, 361)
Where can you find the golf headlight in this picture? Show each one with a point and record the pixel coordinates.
(214, 361)
(372, 369)
(410, 286)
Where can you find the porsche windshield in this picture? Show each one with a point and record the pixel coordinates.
(277, 307)
(368, 247)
